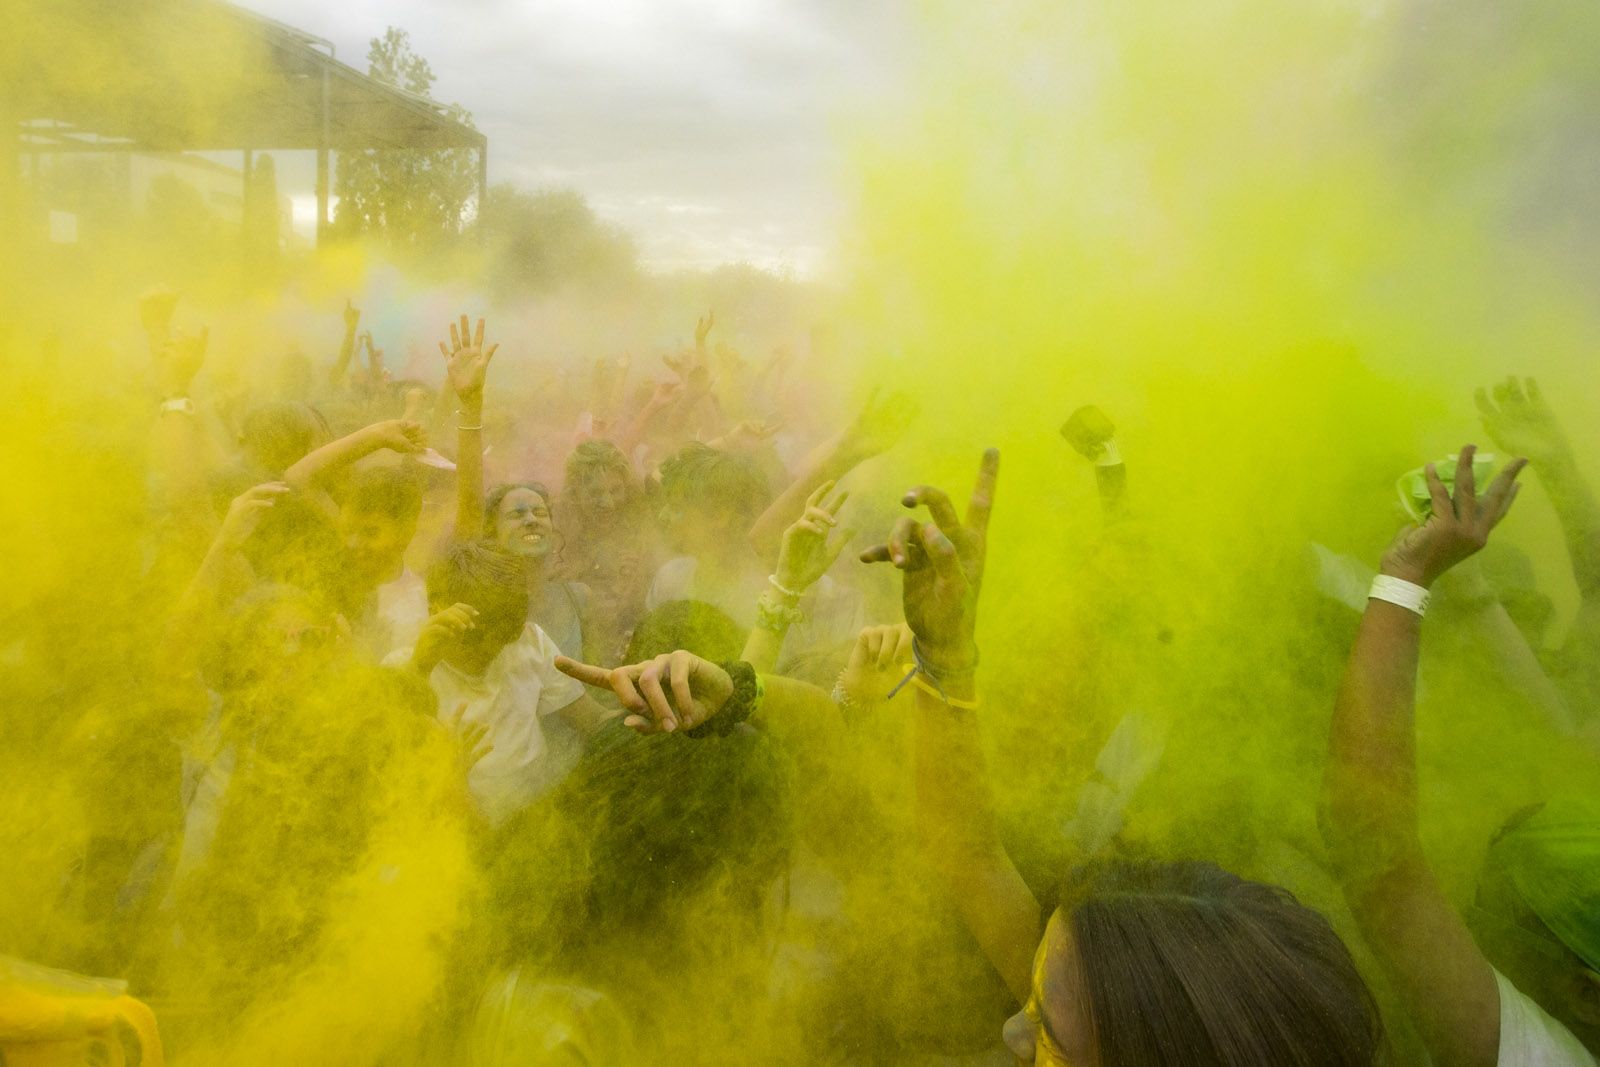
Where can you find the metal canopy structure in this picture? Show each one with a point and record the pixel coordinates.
(204, 75)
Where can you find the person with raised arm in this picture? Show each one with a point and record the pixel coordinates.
(1142, 962)
(810, 546)
(376, 517)
(1471, 1007)
(877, 427)
(1177, 962)
(515, 516)
(1520, 421)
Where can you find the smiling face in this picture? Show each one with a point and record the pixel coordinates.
(522, 524)
(1053, 1028)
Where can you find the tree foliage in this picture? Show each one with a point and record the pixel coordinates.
(407, 198)
(540, 241)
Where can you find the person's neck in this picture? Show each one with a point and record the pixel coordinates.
(534, 572)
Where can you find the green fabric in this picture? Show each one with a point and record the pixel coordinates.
(1413, 485)
(1553, 860)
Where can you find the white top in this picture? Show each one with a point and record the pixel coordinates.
(396, 617)
(1530, 1038)
(515, 697)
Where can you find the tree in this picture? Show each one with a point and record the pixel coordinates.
(409, 198)
(540, 241)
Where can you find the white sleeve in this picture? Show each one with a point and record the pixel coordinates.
(556, 690)
(1530, 1038)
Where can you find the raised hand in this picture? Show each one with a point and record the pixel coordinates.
(943, 563)
(179, 359)
(812, 543)
(878, 427)
(702, 328)
(877, 661)
(1087, 430)
(400, 435)
(1458, 526)
(377, 373)
(692, 370)
(466, 360)
(441, 630)
(751, 433)
(352, 316)
(1520, 422)
(675, 691)
(246, 512)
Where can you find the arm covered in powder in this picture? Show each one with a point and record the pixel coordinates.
(1369, 798)
(942, 562)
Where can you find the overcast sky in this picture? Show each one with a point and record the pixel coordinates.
(707, 128)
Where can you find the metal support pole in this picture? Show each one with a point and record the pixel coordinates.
(483, 184)
(322, 165)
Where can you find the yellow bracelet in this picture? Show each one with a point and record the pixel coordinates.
(916, 680)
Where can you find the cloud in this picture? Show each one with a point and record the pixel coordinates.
(702, 126)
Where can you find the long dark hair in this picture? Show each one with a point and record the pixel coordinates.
(1186, 964)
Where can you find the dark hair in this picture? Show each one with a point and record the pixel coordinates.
(295, 544)
(620, 849)
(491, 503)
(711, 477)
(1187, 964)
(701, 628)
(484, 576)
(392, 492)
(279, 434)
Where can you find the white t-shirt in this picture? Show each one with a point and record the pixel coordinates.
(397, 615)
(530, 751)
(1530, 1038)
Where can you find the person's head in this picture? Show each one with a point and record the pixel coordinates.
(377, 520)
(599, 482)
(296, 544)
(668, 848)
(694, 625)
(1537, 915)
(1186, 964)
(490, 580)
(277, 435)
(709, 498)
(517, 517)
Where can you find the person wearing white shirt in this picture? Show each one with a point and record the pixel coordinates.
(493, 673)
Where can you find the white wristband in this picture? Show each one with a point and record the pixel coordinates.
(1398, 591)
(1109, 456)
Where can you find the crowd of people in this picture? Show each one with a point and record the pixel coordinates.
(665, 763)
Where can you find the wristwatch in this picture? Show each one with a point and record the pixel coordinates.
(180, 404)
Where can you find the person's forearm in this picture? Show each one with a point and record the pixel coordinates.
(469, 469)
(311, 469)
(960, 835)
(762, 647)
(1579, 513)
(347, 349)
(1369, 810)
(1519, 666)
